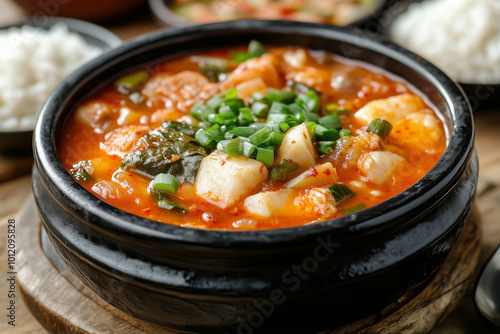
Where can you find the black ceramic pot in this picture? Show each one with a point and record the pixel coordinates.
(295, 280)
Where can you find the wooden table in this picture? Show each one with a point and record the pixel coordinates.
(15, 186)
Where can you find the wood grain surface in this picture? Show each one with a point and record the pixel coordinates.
(14, 189)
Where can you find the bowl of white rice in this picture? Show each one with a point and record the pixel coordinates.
(462, 37)
(36, 56)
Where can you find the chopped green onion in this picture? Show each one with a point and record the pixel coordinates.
(276, 138)
(331, 122)
(241, 56)
(284, 127)
(228, 136)
(200, 112)
(205, 139)
(311, 117)
(212, 67)
(215, 102)
(231, 94)
(266, 156)
(278, 108)
(258, 97)
(279, 96)
(130, 82)
(326, 147)
(354, 209)
(379, 127)
(331, 108)
(326, 134)
(230, 147)
(340, 191)
(166, 182)
(258, 125)
(260, 136)
(282, 171)
(277, 118)
(345, 133)
(245, 117)
(311, 128)
(243, 131)
(260, 109)
(256, 48)
(309, 101)
(246, 148)
(234, 104)
(167, 203)
(225, 118)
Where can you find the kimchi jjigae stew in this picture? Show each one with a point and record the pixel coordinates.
(252, 137)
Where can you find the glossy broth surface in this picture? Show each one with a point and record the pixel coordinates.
(109, 133)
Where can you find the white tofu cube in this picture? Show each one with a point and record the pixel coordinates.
(225, 181)
(298, 147)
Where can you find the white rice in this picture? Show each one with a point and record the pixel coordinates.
(462, 37)
(33, 61)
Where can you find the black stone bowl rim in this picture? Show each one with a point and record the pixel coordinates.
(162, 12)
(388, 216)
(20, 141)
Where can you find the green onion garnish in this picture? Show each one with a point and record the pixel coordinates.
(345, 133)
(279, 96)
(233, 104)
(256, 48)
(243, 131)
(245, 116)
(166, 182)
(167, 203)
(260, 109)
(246, 148)
(309, 101)
(326, 134)
(130, 82)
(266, 156)
(260, 136)
(230, 147)
(331, 122)
(379, 127)
(340, 191)
(354, 209)
(279, 108)
(326, 147)
(282, 170)
(276, 138)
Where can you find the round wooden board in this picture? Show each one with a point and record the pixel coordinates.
(62, 304)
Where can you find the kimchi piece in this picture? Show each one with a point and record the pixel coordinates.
(253, 137)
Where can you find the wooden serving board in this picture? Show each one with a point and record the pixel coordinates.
(62, 304)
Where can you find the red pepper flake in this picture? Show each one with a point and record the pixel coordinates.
(313, 172)
(327, 172)
(261, 168)
(293, 141)
(222, 162)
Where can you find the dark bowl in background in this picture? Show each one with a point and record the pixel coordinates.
(480, 95)
(303, 279)
(20, 142)
(89, 10)
(162, 12)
